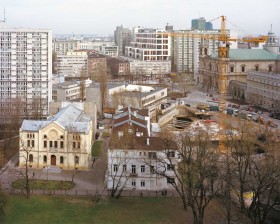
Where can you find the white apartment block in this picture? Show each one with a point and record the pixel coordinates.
(61, 47)
(69, 91)
(149, 45)
(25, 69)
(111, 51)
(72, 64)
(138, 67)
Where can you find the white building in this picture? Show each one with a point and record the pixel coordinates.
(25, 69)
(111, 51)
(63, 140)
(189, 45)
(61, 47)
(72, 63)
(134, 156)
(70, 90)
(150, 52)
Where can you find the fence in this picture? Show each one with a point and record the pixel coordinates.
(94, 193)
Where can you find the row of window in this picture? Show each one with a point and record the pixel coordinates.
(45, 159)
(169, 180)
(142, 168)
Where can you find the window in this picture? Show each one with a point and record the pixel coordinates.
(170, 154)
(45, 159)
(152, 169)
(55, 144)
(45, 136)
(142, 183)
(30, 158)
(231, 69)
(133, 183)
(51, 145)
(133, 169)
(170, 167)
(257, 67)
(242, 68)
(124, 168)
(74, 145)
(143, 169)
(45, 144)
(115, 168)
(152, 155)
(79, 145)
(61, 159)
(28, 143)
(61, 145)
(32, 143)
(76, 160)
(61, 136)
(270, 68)
(170, 180)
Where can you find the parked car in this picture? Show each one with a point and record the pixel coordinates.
(229, 111)
(214, 108)
(229, 105)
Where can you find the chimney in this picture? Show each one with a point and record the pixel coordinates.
(148, 141)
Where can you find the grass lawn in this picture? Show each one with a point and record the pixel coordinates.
(44, 184)
(54, 209)
(96, 149)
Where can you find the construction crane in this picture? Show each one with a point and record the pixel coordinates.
(223, 55)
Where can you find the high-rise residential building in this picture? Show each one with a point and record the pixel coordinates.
(122, 38)
(25, 72)
(189, 45)
(150, 52)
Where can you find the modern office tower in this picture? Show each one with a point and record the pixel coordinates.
(25, 72)
(198, 24)
(122, 38)
(208, 26)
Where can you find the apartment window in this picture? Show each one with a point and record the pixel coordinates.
(170, 167)
(55, 144)
(170, 154)
(270, 68)
(152, 155)
(45, 144)
(142, 183)
(74, 145)
(231, 69)
(133, 169)
(51, 145)
(45, 136)
(28, 143)
(78, 145)
(76, 159)
(45, 159)
(152, 169)
(115, 168)
(133, 183)
(124, 168)
(242, 68)
(32, 143)
(257, 67)
(61, 145)
(170, 180)
(143, 169)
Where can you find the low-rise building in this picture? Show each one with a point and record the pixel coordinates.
(70, 90)
(118, 67)
(64, 140)
(133, 155)
(111, 51)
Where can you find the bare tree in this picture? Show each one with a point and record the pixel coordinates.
(119, 156)
(83, 77)
(27, 157)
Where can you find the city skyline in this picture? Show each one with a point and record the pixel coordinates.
(102, 17)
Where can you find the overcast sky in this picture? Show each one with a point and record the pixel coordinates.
(102, 16)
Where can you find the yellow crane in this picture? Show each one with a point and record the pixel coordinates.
(223, 56)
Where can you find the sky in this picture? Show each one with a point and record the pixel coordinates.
(247, 17)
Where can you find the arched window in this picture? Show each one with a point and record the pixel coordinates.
(61, 159)
(242, 68)
(205, 51)
(30, 158)
(45, 159)
(270, 68)
(76, 159)
(256, 67)
(45, 136)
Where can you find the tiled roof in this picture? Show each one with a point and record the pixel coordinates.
(248, 55)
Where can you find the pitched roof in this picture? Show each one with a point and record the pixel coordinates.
(248, 55)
